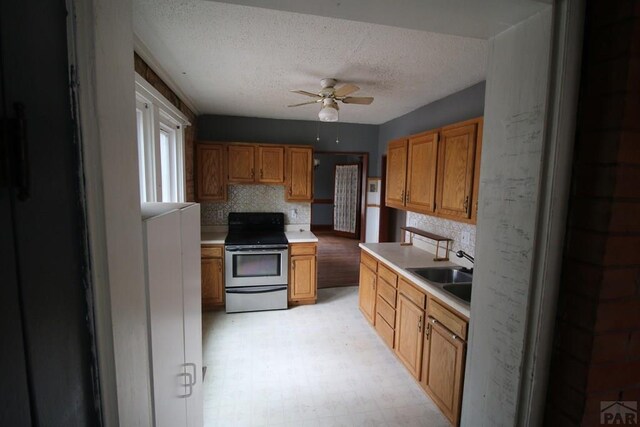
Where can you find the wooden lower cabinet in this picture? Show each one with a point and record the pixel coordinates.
(367, 292)
(426, 335)
(408, 340)
(212, 263)
(302, 273)
(443, 369)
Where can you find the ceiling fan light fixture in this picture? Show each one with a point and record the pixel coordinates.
(328, 114)
(329, 111)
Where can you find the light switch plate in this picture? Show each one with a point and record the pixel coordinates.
(464, 237)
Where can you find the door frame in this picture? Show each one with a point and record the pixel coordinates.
(363, 184)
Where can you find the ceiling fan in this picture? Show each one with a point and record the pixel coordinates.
(329, 96)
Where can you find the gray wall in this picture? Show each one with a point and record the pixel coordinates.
(512, 157)
(352, 136)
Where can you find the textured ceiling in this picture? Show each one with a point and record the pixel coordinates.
(239, 60)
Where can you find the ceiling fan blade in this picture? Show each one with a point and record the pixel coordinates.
(345, 90)
(303, 103)
(304, 92)
(362, 100)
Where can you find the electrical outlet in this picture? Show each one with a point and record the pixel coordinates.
(219, 216)
(293, 213)
(464, 237)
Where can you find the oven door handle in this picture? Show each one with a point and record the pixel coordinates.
(256, 290)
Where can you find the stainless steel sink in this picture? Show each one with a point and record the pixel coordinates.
(443, 274)
(460, 290)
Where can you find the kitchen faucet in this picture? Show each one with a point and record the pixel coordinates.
(461, 254)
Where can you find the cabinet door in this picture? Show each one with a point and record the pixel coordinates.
(299, 174)
(191, 296)
(367, 292)
(421, 173)
(396, 173)
(444, 372)
(211, 169)
(166, 318)
(241, 163)
(270, 162)
(408, 340)
(456, 161)
(303, 278)
(212, 282)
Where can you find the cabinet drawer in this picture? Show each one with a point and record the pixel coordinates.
(368, 260)
(387, 292)
(413, 294)
(448, 319)
(386, 312)
(385, 331)
(302, 249)
(387, 274)
(211, 252)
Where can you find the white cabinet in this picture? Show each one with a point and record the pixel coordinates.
(172, 252)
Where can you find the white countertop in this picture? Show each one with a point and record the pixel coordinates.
(399, 258)
(217, 237)
(301, 236)
(213, 237)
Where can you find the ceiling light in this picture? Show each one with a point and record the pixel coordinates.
(329, 111)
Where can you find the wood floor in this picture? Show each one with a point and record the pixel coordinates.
(338, 260)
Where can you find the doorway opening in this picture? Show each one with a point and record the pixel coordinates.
(338, 251)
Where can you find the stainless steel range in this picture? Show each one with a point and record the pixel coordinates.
(256, 262)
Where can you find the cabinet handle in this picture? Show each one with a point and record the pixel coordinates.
(420, 324)
(252, 173)
(289, 190)
(455, 337)
(466, 204)
(293, 265)
(427, 330)
(402, 196)
(408, 197)
(261, 174)
(195, 374)
(189, 383)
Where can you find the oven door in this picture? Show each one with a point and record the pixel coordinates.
(256, 266)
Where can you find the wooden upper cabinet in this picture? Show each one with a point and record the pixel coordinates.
(270, 164)
(456, 164)
(241, 163)
(211, 169)
(396, 173)
(299, 173)
(421, 172)
(437, 172)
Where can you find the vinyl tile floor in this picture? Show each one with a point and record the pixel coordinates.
(313, 365)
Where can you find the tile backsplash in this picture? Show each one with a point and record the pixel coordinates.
(255, 198)
(445, 228)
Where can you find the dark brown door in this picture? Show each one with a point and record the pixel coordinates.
(48, 374)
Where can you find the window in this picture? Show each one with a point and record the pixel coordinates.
(160, 129)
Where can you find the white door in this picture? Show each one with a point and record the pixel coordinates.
(164, 285)
(190, 218)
